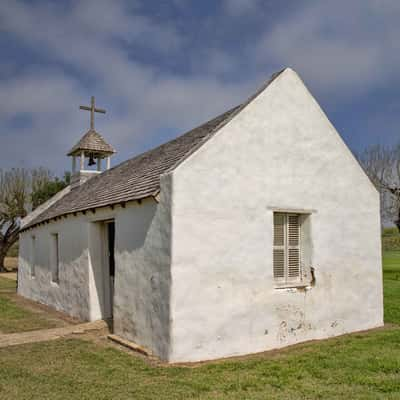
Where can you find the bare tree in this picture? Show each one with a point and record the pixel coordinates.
(16, 188)
(14, 199)
(382, 165)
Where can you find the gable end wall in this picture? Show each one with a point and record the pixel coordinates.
(279, 152)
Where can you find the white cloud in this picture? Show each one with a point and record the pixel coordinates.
(140, 98)
(340, 47)
(115, 20)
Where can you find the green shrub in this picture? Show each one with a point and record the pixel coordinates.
(13, 252)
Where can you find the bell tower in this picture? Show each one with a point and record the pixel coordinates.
(91, 150)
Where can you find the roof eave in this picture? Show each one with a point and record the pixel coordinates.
(154, 196)
(78, 152)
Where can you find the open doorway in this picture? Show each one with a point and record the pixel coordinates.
(110, 267)
(102, 272)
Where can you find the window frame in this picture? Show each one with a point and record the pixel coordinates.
(55, 258)
(286, 280)
(33, 257)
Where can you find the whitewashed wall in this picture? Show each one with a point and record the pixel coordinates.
(141, 293)
(279, 152)
(142, 285)
(71, 295)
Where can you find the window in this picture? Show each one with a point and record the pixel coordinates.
(55, 258)
(33, 256)
(286, 253)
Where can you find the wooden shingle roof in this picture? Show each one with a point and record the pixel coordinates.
(134, 179)
(92, 141)
(138, 177)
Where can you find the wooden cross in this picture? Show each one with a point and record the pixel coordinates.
(92, 110)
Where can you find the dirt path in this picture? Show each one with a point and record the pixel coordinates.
(13, 339)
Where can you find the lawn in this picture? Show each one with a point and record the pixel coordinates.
(391, 239)
(358, 366)
(16, 316)
(391, 285)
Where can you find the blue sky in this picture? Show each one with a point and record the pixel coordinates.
(162, 67)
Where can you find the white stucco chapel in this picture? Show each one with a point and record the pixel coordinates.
(251, 232)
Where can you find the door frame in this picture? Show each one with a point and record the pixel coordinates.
(107, 290)
(108, 281)
(98, 274)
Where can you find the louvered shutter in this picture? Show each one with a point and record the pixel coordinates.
(286, 252)
(293, 247)
(279, 246)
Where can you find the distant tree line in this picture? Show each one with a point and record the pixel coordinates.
(21, 191)
(382, 165)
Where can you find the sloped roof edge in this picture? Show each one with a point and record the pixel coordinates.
(235, 111)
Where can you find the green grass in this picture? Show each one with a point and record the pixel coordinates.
(7, 285)
(390, 239)
(15, 317)
(358, 366)
(391, 286)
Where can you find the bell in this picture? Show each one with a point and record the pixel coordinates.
(91, 160)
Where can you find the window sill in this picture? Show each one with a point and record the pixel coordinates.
(293, 286)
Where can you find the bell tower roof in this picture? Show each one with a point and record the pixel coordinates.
(92, 142)
(92, 149)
